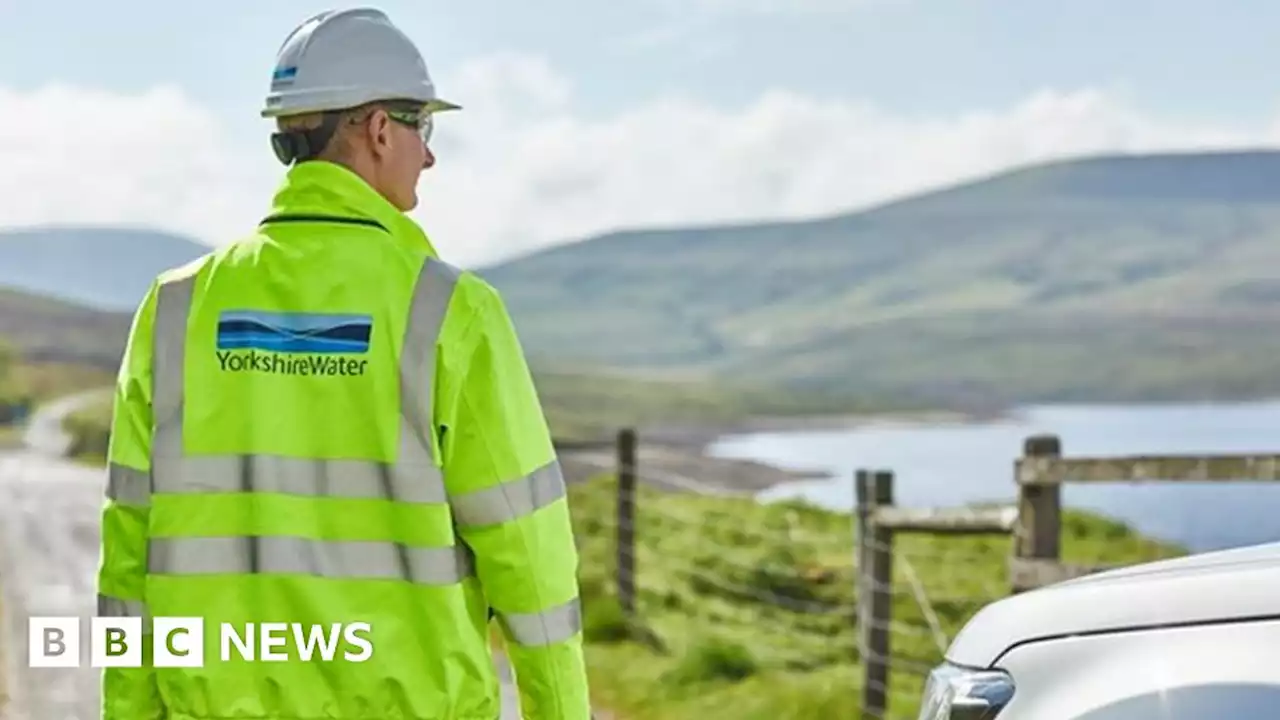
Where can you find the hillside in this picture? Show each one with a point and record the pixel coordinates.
(68, 346)
(45, 329)
(50, 348)
(1110, 277)
(108, 268)
(67, 297)
(1146, 277)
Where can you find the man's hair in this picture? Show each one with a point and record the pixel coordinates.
(318, 135)
(323, 135)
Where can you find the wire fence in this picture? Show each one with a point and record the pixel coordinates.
(732, 588)
(859, 606)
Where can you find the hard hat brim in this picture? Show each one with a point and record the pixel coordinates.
(439, 105)
(434, 105)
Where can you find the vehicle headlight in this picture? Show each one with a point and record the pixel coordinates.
(956, 693)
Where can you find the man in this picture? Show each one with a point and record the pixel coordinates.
(323, 423)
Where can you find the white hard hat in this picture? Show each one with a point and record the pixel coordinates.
(341, 59)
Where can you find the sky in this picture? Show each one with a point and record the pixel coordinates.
(584, 117)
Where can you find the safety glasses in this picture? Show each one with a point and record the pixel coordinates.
(419, 120)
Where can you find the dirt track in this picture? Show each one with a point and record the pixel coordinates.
(49, 515)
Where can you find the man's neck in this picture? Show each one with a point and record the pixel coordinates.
(358, 166)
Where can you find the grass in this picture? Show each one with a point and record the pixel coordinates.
(28, 384)
(588, 405)
(713, 641)
(90, 429)
(44, 381)
(10, 436)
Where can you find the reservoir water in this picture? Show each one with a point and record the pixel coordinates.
(944, 464)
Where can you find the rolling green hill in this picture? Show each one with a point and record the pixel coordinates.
(1146, 277)
(47, 329)
(50, 347)
(65, 347)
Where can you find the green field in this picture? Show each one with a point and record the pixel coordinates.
(746, 608)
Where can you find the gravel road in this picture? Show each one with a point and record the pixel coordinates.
(49, 515)
(49, 521)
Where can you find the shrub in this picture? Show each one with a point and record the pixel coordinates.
(715, 659)
(604, 621)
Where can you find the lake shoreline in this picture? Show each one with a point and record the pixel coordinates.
(953, 460)
(703, 435)
(678, 457)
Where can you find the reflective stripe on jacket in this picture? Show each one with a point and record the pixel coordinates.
(323, 423)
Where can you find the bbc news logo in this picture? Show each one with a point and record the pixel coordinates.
(55, 642)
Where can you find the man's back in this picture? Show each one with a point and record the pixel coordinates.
(342, 429)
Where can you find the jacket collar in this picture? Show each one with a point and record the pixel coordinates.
(318, 187)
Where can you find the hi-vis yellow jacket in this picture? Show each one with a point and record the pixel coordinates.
(323, 423)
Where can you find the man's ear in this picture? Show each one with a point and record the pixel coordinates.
(380, 137)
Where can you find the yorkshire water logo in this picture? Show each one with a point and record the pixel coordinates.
(283, 76)
(293, 343)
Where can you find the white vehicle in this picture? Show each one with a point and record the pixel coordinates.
(1194, 638)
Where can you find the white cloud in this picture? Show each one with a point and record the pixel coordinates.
(520, 169)
(76, 155)
(520, 180)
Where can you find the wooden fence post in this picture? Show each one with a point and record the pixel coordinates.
(1039, 511)
(627, 520)
(863, 492)
(875, 593)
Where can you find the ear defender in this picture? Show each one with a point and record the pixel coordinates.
(285, 146)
